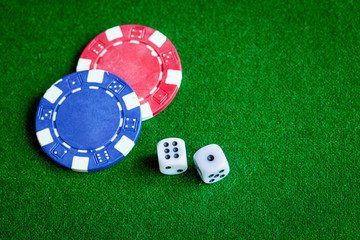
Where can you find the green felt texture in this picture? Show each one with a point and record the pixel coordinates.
(274, 83)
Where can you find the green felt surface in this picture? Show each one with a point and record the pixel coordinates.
(274, 83)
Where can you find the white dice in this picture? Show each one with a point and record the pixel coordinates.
(172, 156)
(211, 163)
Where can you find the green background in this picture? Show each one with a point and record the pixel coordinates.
(274, 83)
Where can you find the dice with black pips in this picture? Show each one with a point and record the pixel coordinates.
(172, 156)
(211, 163)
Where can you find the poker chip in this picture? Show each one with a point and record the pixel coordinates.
(143, 57)
(88, 120)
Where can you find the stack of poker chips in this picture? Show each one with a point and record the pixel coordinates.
(89, 120)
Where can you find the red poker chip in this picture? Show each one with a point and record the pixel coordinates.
(143, 57)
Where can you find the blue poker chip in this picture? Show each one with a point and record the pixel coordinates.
(88, 120)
